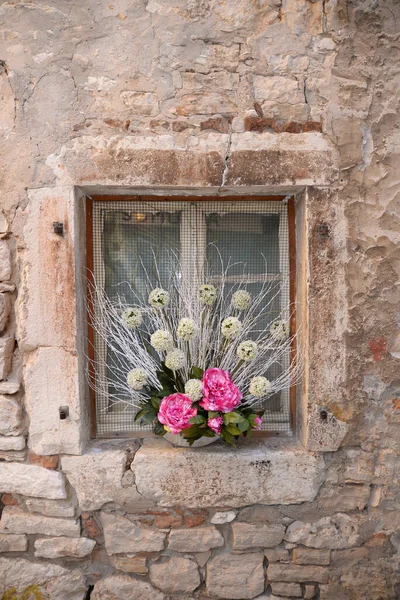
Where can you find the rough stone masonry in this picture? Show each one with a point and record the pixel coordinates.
(218, 97)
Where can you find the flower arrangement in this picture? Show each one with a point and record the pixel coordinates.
(193, 359)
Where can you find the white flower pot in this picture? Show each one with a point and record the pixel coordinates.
(177, 440)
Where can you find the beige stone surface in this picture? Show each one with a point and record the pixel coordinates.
(14, 520)
(196, 539)
(5, 264)
(344, 498)
(287, 589)
(234, 577)
(175, 575)
(10, 416)
(6, 355)
(59, 547)
(57, 582)
(337, 531)
(221, 517)
(308, 556)
(96, 476)
(32, 480)
(13, 543)
(130, 564)
(122, 535)
(12, 443)
(251, 537)
(297, 573)
(123, 587)
(51, 508)
(260, 473)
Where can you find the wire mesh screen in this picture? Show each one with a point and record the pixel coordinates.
(160, 243)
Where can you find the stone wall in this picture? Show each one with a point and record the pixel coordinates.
(201, 97)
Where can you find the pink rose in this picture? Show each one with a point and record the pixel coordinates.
(216, 424)
(175, 412)
(219, 391)
(257, 423)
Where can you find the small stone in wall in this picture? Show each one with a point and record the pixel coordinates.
(223, 517)
(124, 587)
(297, 573)
(6, 354)
(337, 531)
(325, 434)
(5, 263)
(58, 547)
(122, 535)
(90, 526)
(14, 520)
(308, 556)
(31, 480)
(5, 309)
(9, 500)
(9, 387)
(310, 591)
(277, 555)
(12, 443)
(248, 537)
(344, 498)
(198, 539)
(13, 543)
(175, 575)
(131, 564)
(51, 508)
(10, 416)
(287, 589)
(47, 462)
(235, 577)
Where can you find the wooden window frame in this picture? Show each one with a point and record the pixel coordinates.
(89, 200)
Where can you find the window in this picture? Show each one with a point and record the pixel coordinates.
(136, 239)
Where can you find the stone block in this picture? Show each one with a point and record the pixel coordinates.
(345, 558)
(198, 539)
(310, 591)
(287, 589)
(96, 476)
(221, 517)
(248, 537)
(308, 556)
(277, 555)
(48, 462)
(141, 103)
(235, 577)
(297, 573)
(265, 473)
(13, 543)
(12, 443)
(122, 535)
(123, 587)
(57, 547)
(9, 387)
(10, 416)
(326, 435)
(344, 498)
(5, 262)
(337, 531)
(5, 309)
(175, 575)
(52, 581)
(51, 508)
(31, 480)
(205, 103)
(14, 520)
(284, 90)
(6, 355)
(131, 564)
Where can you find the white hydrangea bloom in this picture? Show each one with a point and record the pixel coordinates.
(247, 350)
(231, 327)
(132, 317)
(260, 386)
(161, 340)
(159, 298)
(137, 379)
(175, 360)
(193, 389)
(187, 329)
(241, 300)
(279, 330)
(207, 294)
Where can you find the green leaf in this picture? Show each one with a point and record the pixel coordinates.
(140, 414)
(197, 420)
(159, 428)
(233, 417)
(196, 373)
(156, 402)
(234, 430)
(243, 425)
(212, 414)
(227, 437)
